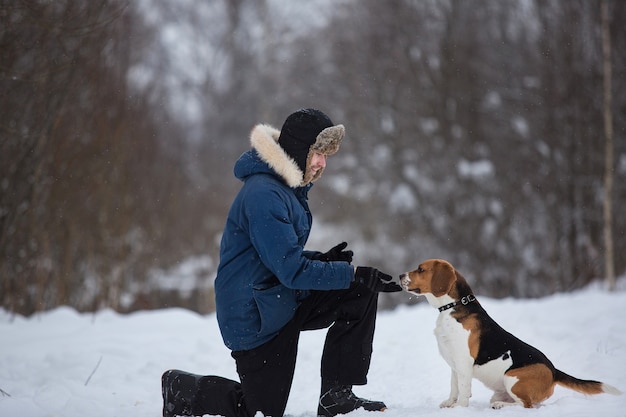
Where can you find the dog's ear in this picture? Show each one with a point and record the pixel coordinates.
(443, 278)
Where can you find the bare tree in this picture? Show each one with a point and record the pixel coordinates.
(608, 132)
(79, 212)
(476, 145)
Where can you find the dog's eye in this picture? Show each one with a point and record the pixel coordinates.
(420, 269)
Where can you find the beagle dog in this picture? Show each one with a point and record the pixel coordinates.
(475, 346)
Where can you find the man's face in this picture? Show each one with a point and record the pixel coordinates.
(318, 161)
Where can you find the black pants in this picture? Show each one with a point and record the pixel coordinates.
(266, 372)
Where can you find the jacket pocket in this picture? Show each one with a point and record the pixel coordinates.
(276, 305)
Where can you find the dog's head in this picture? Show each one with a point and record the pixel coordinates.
(432, 278)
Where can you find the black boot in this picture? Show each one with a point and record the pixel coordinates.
(178, 389)
(341, 400)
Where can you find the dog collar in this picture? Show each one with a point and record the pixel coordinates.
(464, 301)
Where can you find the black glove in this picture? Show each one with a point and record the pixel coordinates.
(336, 254)
(375, 280)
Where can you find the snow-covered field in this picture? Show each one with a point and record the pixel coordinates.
(61, 363)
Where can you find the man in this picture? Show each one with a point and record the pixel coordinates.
(269, 288)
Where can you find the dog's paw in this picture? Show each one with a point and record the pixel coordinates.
(496, 405)
(454, 402)
(447, 404)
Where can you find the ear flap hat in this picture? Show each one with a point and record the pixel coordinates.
(307, 131)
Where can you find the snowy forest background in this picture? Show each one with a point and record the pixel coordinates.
(474, 132)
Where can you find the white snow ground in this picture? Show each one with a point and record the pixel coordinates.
(66, 364)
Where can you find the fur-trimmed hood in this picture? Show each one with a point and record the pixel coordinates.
(264, 139)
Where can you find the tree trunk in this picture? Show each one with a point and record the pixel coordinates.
(608, 168)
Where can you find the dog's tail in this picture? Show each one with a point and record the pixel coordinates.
(586, 387)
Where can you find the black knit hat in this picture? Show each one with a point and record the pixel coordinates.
(299, 133)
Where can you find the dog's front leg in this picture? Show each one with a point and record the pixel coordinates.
(464, 381)
(452, 340)
(454, 391)
(460, 388)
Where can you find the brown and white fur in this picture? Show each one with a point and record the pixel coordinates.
(475, 346)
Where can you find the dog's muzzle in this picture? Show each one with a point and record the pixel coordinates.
(405, 281)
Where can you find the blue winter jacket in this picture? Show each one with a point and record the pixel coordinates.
(264, 271)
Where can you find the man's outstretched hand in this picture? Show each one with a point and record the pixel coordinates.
(375, 280)
(336, 253)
